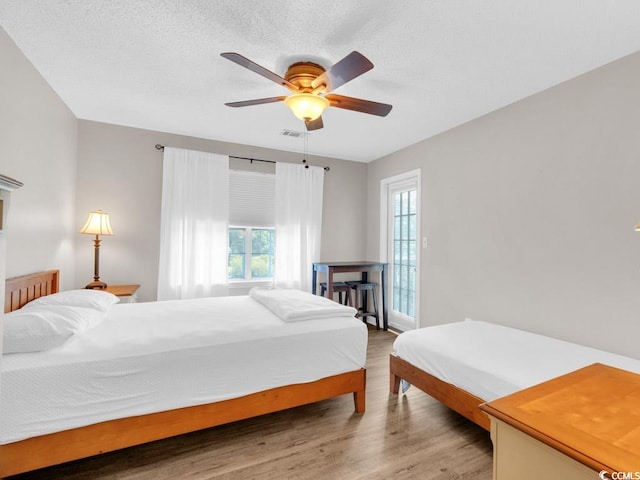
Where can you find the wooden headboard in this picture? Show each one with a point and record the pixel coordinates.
(21, 290)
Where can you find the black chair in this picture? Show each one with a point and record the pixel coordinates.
(342, 289)
(362, 289)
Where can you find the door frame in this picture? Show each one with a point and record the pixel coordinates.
(410, 177)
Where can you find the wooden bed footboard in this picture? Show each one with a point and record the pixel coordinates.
(463, 402)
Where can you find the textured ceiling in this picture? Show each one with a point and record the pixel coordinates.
(156, 64)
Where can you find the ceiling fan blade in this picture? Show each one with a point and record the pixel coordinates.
(350, 67)
(259, 101)
(359, 105)
(314, 124)
(254, 67)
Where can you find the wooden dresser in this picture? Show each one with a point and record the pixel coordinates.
(572, 427)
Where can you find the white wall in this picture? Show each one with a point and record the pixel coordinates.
(529, 212)
(38, 141)
(120, 172)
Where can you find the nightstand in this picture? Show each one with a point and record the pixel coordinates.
(127, 293)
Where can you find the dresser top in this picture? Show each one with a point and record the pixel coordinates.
(591, 415)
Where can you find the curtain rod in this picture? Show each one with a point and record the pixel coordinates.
(326, 169)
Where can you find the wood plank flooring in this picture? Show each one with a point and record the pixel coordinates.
(408, 436)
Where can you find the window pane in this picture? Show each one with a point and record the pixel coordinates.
(412, 227)
(236, 266)
(412, 304)
(262, 252)
(261, 266)
(412, 253)
(262, 241)
(397, 233)
(404, 280)
(412, 202)
(404, 298)
(404, 223)
(236, 240)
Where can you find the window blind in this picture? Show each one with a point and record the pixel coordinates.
(251, 199)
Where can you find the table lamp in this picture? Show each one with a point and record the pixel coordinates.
(97, 224)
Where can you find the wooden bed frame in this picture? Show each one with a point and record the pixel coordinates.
(21, 290)
(55, 448)
(461, 401)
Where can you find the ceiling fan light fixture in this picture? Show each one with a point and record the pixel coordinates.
(306, 106)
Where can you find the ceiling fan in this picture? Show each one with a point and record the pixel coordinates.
(311, 85)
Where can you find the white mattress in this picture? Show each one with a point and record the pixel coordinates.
(491, 361)
(151, 357)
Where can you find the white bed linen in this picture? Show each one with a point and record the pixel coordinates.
(151, 357)
(491, 361)
(293, 305)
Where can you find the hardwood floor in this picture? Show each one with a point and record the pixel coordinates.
(408, 436)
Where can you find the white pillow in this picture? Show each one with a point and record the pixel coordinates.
(41, 328)
(87, 298)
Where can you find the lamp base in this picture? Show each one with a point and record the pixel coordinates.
(96, 285)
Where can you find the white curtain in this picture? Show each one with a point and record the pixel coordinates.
(298, 224)
(193, 226)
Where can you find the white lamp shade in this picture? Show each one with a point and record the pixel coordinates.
(97, 224)
(306, 106)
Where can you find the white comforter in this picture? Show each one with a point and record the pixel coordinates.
(151, 357)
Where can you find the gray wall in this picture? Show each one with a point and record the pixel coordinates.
(120, 172)
(38, 141)
(529, 213)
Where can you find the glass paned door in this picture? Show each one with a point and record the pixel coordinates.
(400, 234)
(404, 252)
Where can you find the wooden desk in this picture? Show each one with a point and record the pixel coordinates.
(571, 427)
(364, 267)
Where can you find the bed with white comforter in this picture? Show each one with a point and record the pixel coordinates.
(152, 357)
(490, 360)
(467, 363)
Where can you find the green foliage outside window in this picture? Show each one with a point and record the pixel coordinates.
(236, 253)
(262, 253)
(255, 244)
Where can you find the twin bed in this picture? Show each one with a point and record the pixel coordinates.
(465, 364)
(153, 370)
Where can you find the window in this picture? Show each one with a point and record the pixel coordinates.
(251, 248)
(251, 253)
